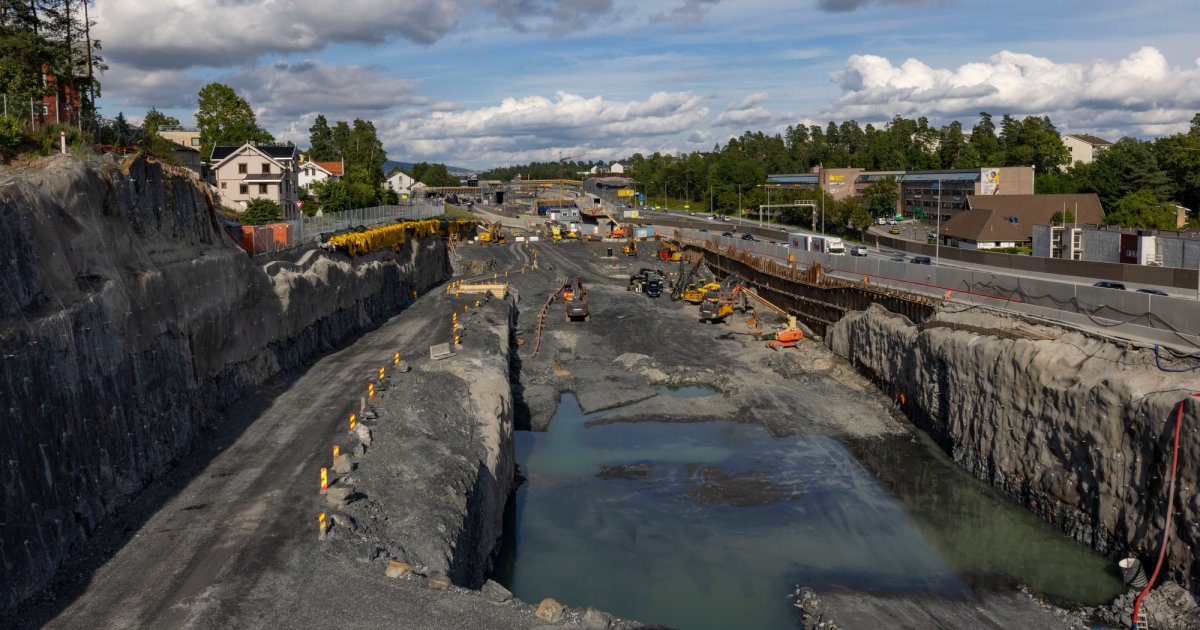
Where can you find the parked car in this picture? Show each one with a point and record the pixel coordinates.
(1153, 291)
(729, 234)
(891, 222)
(725, 219)
(1105, 284)
(922, 260)
(858, 250)
(881, 221)
(748, 237)
(894, 230)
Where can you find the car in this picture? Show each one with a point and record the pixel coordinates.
(858, 250)
(881, 221)
(1153, 291)
(748, 237)
(728, 234)
(891, 222)
(899, 259)
(922, 260)
(703, 230)
(712, 217)
(726, 219)
(691, 214)
(1106, 284)
(894, 230)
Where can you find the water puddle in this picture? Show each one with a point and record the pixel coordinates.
(708, 525)
(687, 391)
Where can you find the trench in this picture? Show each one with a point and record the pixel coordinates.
(710, 524)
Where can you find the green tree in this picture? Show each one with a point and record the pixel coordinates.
(1062, 217)
(1179, 158)
(156, 120)
(320, 140)
(333, 195)
(260, 211)
(1142, 209)
(880, 197)
(1128, 166)
(12, 134)
(434, 174)
(224, 118)
(984, 142)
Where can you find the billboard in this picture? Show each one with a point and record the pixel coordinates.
(625, 192)
(989, 181)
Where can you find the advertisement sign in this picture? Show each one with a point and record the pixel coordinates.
(989, 181)
(625, 192)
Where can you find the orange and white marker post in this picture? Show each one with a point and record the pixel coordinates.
(321, 524)
(324, 480)
(353, 422)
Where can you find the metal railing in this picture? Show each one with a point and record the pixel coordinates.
(284, 235)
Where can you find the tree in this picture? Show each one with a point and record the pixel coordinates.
(1128, 166)
(1142, 209)
(984, 142)
(224, 118)
(333, 195)
(1062, 217)
(260, 211)
(433, 174)
(880, 196)
(320, 140)
(156, 120)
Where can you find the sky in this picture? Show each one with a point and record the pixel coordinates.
(489, 83)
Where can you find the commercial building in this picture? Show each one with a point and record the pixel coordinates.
(919, 196)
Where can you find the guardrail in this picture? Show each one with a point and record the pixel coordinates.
(284, 235)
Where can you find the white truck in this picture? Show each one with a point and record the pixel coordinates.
(827, 245)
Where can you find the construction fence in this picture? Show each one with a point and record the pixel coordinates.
(276, 237)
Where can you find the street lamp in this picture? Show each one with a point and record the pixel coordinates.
(739, 208)
(937, 241)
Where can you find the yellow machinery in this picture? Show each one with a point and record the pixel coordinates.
(620, 230)
(571, 233)
(694, 293)
(493, 234)
(669, 251)
(394, 235)
(556, 233)
(786, 338)
(631, 247)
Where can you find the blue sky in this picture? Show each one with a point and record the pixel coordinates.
(495, 82)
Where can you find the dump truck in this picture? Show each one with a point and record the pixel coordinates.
(575, 298)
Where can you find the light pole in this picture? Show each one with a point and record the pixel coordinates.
(821, 189)
(739, 208)
(937, 241)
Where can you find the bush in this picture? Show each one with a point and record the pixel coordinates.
(12, 134)
(47, 136)
(260, 211)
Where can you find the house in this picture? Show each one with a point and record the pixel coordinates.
(402, 183)
(240, 174)
(993, 221)
(313, 172)
(1084, 148)
(616, 167)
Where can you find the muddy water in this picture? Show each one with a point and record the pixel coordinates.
(708, 525)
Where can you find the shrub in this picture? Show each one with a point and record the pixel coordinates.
(260, 211)
(11, 132)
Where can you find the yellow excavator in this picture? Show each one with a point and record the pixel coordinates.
(694, 293)
(492, 234)
(631, 247)
(555, 233)
(669, 251)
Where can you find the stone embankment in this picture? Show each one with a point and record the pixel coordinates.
(129, 321)
(1076, 428)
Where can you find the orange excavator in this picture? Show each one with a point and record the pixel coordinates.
(786, 338)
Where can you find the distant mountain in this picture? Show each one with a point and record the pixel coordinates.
(407, 167)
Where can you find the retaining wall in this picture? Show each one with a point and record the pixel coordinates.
(129, 321)
(1077, 429)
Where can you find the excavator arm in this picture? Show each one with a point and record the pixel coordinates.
(742, 290)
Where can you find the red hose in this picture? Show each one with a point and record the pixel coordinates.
(1162, 553)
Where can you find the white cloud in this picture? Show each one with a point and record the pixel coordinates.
(222, 33)
(688, 14)
(839, 6)
(541, 128)
(1141, 93)
(282, 91)
(749, 113)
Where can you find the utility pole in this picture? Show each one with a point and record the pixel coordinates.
(739, 208)
(937, 242)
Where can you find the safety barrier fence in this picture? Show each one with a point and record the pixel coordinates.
(276, 237)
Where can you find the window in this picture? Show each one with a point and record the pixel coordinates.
(1014, 220)
(242, 168)
(266, 169)
(262, 189)
(196, 141)
(243, 189)
(222, 185)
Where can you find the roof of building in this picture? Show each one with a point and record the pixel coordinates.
(285, 151)
(1031, 210)
(334, 168)
(983, 225)
(1092, 140)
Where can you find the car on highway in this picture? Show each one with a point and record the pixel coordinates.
(899, 259)
(728, 234)
(891, 222)
(1153, 291)
(1106, 284)
(894, 230)
(712, 217)
(748, 237)
(881, 221)
(922, 260)
(725, 219)
(858, 250)
(703, 230)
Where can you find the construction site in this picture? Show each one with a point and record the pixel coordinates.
(505, 423)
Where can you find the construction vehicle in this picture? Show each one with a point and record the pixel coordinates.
(492, 233)
(669, 251)
(576, 300)
(717, 304)
(619, 231)
(694, 293)
(648, 281)
(631, 247)
(556, 233)
(786, 338)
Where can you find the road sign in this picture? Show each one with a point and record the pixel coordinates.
(641, 197)
(625, 192)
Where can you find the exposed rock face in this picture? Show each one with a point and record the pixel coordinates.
(1077, 429)
(128, 320)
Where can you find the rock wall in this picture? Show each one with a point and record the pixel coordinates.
(128, 321)
(1076, 428)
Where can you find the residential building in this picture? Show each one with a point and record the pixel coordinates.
(1111, 243)
(616, 167)
(240, 174)
(1084, 148)
(402, 184)
(313, 172)
(186, 136)
(992, 221)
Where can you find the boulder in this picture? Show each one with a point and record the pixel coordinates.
(338, 496)
(363, 433)
(398, 569)
(438, 582)
(549, 610)
(342, 465)
(596, 620)
(494, 592)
